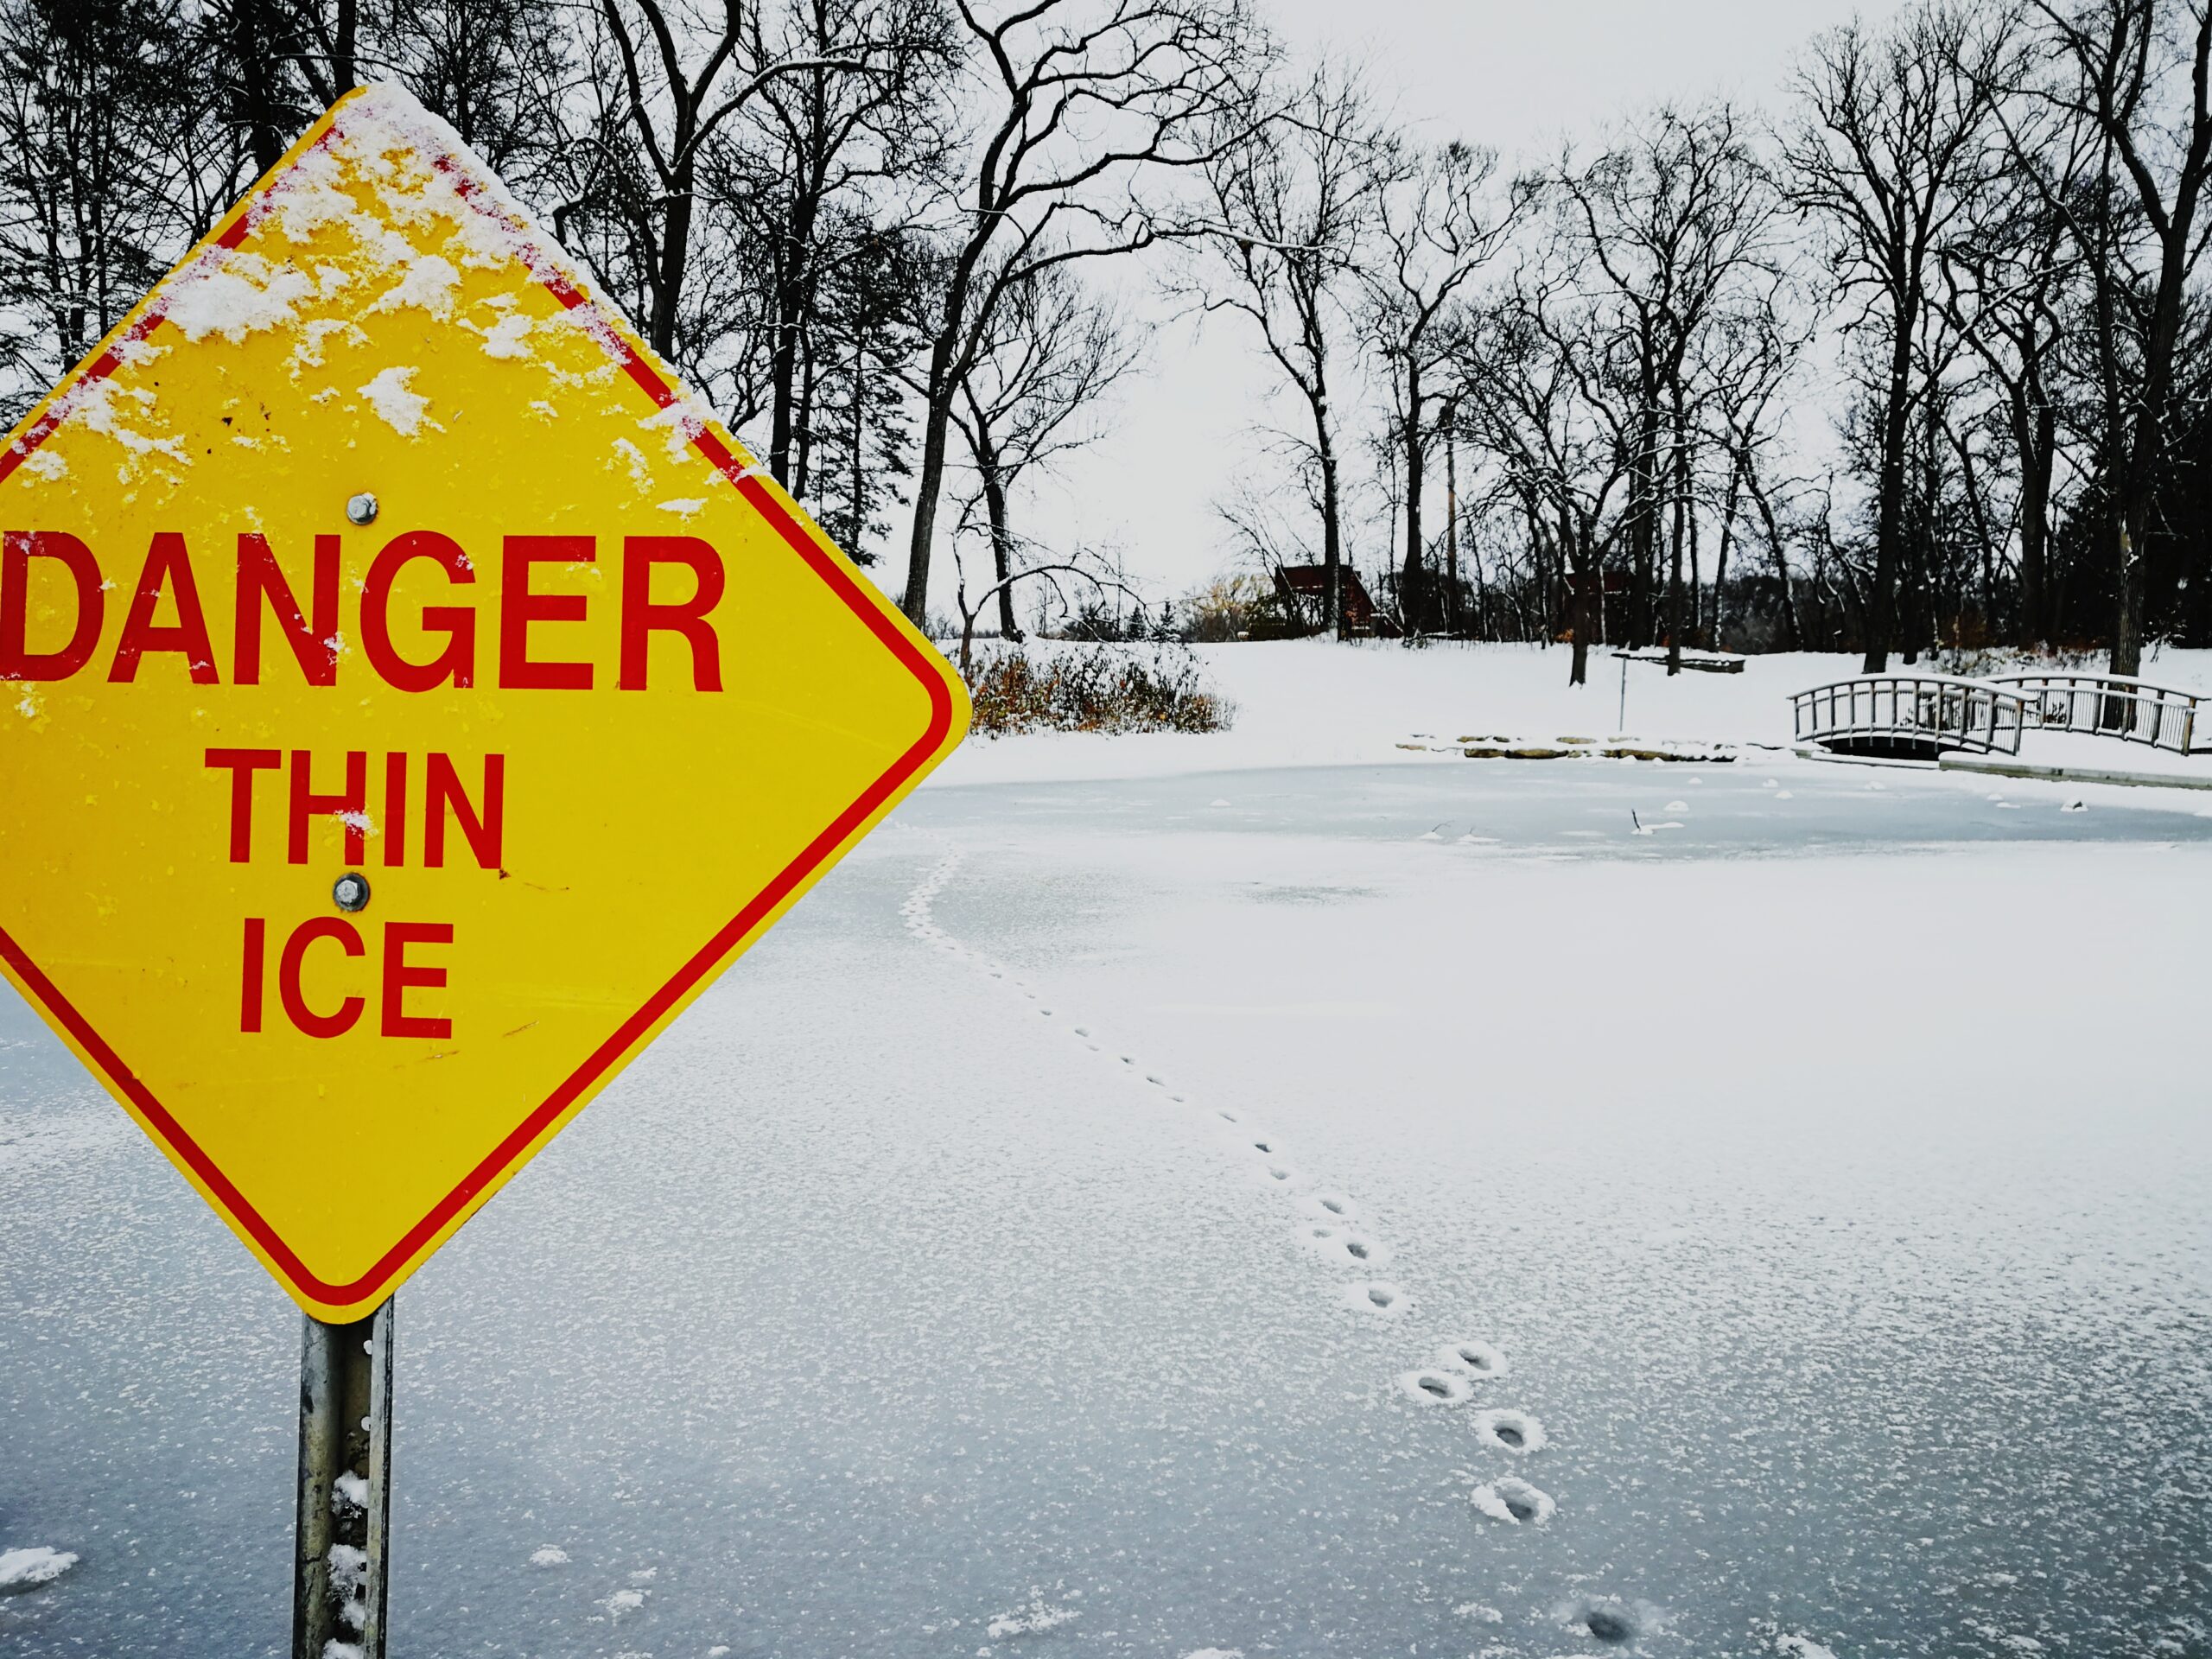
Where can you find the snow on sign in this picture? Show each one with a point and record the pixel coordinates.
(414, 699)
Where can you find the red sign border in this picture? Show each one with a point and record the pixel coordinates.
(599, 1063)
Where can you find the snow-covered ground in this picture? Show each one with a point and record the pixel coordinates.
(1306, 702)
(1343, 1208)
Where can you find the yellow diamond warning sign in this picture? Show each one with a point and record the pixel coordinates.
(410, 698)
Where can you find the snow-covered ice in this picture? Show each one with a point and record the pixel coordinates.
(1825, 1178)
(39, 1564)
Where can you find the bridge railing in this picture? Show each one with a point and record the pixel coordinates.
(1919, 711)
(2113, 705)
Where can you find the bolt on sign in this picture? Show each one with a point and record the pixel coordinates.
(413, 699)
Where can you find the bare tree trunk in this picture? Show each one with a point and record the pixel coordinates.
(252, 27)
(1682, 493)
(344, 48)
(1793, 635)
(1696, 589)
(929, 486)
(1451, 528)
(1721, 560)
(1332, 603)
(1889, 521)
(802, 480)
(1644, 508)
(857, 454)
(675, 254)
(1585, 583)
(1411, 586)
(1001, 536)
(791, 293)
(2034, 437)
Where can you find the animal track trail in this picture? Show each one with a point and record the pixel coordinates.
(1326, 1221)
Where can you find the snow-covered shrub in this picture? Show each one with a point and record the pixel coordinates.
(1085, 688)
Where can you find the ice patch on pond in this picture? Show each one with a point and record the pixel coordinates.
(1508, 1430)
(26, 1569)
(1215, 1653)
(1514, 1501)
(1039, 1615)
(549, 1555)
(1789, 1645)
(623, 1601)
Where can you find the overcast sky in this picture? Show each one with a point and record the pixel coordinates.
(1518, 75)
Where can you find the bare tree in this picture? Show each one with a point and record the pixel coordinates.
(679, 92)
(1291, 210)
(1032, 395)
(1675, 220)
(499, 71)
(1891, 147)
(1084, 570)
(1085, 100)
(2140, 73)
(113, 157)
(1540, 395)
(1438, 224)
(830, 138)
(1754, 354)
(2006, 279)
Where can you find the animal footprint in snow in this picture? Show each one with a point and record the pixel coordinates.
(1508, 1430)
(1475, 1358)
(1514, 1501)
(1341, 1244)
(1375, 1296)
(1611, 1621)
(1437, 1387)
(1332, 1206)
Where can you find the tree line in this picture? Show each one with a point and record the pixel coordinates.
(1913, 360)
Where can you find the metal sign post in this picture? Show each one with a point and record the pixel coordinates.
(340, 1561)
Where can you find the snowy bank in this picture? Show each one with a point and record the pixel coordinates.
(1307, 703)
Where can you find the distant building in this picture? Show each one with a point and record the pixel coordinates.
(1304, 591)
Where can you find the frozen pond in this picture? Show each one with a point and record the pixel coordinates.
(1078, 1228)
